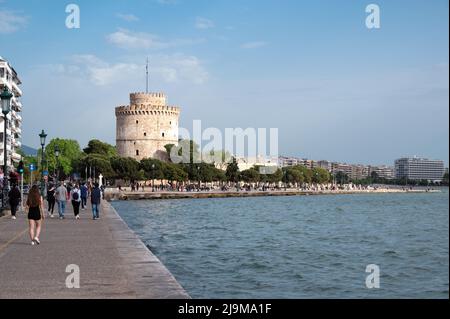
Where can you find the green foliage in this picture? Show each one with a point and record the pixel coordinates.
(320, 175)
(250, 175)
(153, 168)
(101, 148)
(126, 168)
(70, 154)
(342, 178)
(101, 163)
(232, 172)
(187, 151)
(173, 172)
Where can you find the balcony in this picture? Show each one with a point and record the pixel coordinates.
(18, 117)
(17, 91)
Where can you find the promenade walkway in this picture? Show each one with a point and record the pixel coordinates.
(113, 262)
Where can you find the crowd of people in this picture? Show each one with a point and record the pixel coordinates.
(57, 195)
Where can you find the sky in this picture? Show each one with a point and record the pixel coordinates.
(335, 89)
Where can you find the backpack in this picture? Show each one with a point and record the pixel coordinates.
(75, 196)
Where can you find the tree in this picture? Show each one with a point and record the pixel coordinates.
(320, 175)
(293, 175)
(232, 172)
(100, 163)
(250, 175)
(69, 154)
(153, 168)
(445, 179)
(126, 168)
(374, 176)
(173, 172)
(101, 148)
(275, 177)
(342, 178)
(169, 148)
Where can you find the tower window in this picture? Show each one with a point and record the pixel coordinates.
(145, 133)
(137, 122)
(170, 122)
(163, 134)
(137, 152)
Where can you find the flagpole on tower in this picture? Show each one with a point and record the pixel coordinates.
(146, 73)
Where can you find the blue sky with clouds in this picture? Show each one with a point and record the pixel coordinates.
(335, 89)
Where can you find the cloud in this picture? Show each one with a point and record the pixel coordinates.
(203, 23)
(127, 17)
(254, 45)
(129, 40)
(174, 68)
(10, 22)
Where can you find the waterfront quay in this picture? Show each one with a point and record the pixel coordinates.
(113, 262)
(124, 194)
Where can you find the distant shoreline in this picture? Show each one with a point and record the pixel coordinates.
(139, 195)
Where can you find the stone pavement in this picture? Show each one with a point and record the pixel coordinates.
(113, 261)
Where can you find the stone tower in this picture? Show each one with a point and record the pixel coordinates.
(145, 126)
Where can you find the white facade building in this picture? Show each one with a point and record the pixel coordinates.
(415, 168)
(9, 78)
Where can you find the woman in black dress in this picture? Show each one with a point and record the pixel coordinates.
(51, 200)
(35, 216)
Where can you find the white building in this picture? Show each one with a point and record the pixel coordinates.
(383, 171)
(415, 168)
(245, 163)
(9, 78)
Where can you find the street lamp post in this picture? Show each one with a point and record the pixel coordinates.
(153, 177)
(42, 137)
(57, 162)
(6, 97)
(198, 176)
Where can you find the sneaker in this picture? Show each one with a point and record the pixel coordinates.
(36, 240)
(51, 216)
(78, 217)
(14, 218)
(33, 243)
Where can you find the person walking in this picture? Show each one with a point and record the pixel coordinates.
(14, 200)
(84, 196)
(96, 196)
(61, 198)
(75, 195)
(51, 200)
(35, 217)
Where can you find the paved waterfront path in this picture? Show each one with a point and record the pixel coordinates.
(113, 262)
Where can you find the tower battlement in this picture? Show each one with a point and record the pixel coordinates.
(144, 109)
(154, 98)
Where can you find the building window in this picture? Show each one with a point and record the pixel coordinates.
(137, 152)
(163, 134)
(137, 122)
(170, 122)
(145, 134)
